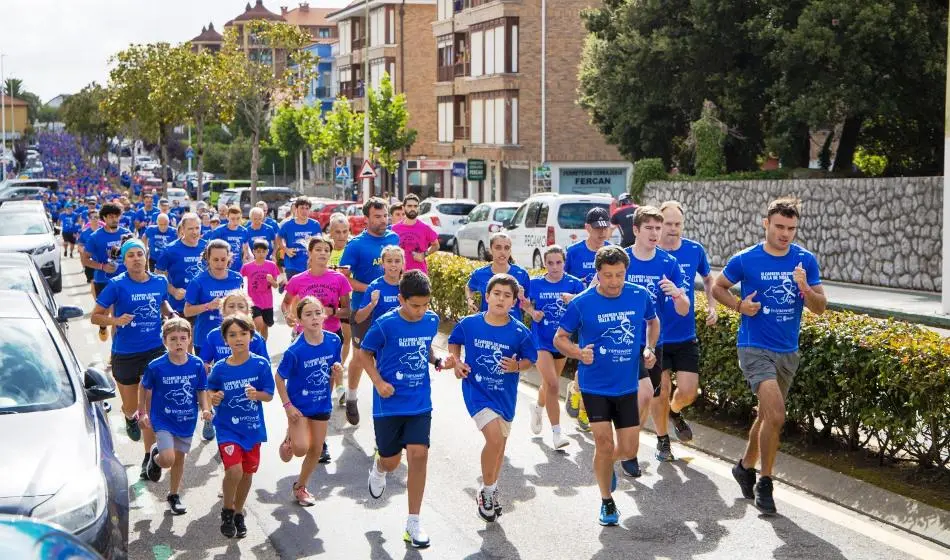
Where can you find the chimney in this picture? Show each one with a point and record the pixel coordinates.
(283, 10)
(305, 6)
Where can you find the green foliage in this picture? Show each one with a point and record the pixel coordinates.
(284, 130)
(762, 175)
(644, 171)
(388, 120)
(83, 117)
(449, 275)
(870, 164)
(708, 136)
(341, 134)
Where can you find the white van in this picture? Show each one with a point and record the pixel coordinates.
(548, 219)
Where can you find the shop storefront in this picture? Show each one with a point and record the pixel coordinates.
(610, 178)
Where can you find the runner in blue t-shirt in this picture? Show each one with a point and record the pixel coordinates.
(609, 320)
(397, 351)
(238, 385)
(205, 293)
(545, 303)
(680, 351)
(213, 348)
(258, 229)
(362, 263)
(183, 260)
(778, 280)
(173, 389)
(660, 273)
(304, 381)
(236, 236)
(499, 244)
(91, 226)
(497, 349)
(103, 246)
(293, 236)
(384, 291)
(133, 303)
(157, 238)
(145, 216)
(579, 258)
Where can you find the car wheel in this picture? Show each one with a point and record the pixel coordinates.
(455, 247)
(56, 284)
(536, 260)
(482, 253)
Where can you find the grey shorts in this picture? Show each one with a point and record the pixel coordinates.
(759, 364)
(486, 415)
(167, 440)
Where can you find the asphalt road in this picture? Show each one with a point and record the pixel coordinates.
(687, 509)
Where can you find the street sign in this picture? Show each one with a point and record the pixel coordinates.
(458, 169)
(366, 170)
(476, 170)
(339, 162)
(342, 172)
(190, 153)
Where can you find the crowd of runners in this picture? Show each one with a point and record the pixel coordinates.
(188, 305)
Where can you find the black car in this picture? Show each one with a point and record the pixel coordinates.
(60, 465)
(19, 272)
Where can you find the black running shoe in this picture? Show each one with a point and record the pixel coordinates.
(746, 479)
(681, 428)
(132, 429)
(763, 496)
(228, 528)
(631, 468)
(352, 413)
(152, 469)
(175, 505)
(143, 473)
(325, 454)
(239, 525)
(485, 505)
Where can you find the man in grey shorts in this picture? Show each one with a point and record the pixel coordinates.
(779, 279)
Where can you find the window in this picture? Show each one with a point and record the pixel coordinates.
(503, 214)
(495, 117)
(543, 213)
(532, 215)
(424, 207)
(478, 134)
(573, 215)
(446, 119)
(490, 121)
(34, 376)
(519, 215)
(495, 47)
(377, 27)
(346, 38)
(478, 214)
(455, 208)
(477, 53)
(323, 33)
(446, 9)
(489, 52)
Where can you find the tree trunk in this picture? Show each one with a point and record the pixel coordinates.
(200, 129)
(255, 162)
(799, 155)
(163, 138)
(844, 158)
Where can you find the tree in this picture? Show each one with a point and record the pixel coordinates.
(288, 127)
(280, 72)
(83, 117)
(341, 134)
(388, 120)
(13, 87)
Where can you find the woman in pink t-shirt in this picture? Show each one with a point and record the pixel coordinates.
(329, 286)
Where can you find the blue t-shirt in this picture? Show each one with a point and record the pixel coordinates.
(775, 327)
(388, 298)
(363, 254)
(488, 385)
(306, 369)
(182, 264)
(236, 238)
(142, 299)
(692, 259)
(478, 282)
(84, 236)
(174, 406)
(615, 327)
(175, 213)
(265, 233)
(648, 274)
(295, 236)
(98, 248)
(214, 348)
(579, 261)
(127, 219)
(402, 359)
(69, 222)
(158, 241)
(147, 216)
(546, 297)
(203, 289)
(238, 420)
(272, 223)
(205, 230)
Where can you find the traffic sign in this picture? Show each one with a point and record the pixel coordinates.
(190, 153)
(339, 162)
(342, 172)
(367, 171)
(476, 169)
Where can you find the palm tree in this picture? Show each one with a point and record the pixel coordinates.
(13, 87)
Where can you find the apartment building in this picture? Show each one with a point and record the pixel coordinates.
(507, 122)
(207, 40)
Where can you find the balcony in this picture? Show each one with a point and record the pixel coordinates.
(466, 4)
(322, 92)
(462, 69)
(357, 43)
(351, 90)
(445, 73)
(461, 132)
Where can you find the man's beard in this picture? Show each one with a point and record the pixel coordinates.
(412, 214)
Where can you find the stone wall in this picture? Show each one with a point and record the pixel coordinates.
(881, 232)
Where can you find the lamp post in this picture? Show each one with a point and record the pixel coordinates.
(3, 123)
(366, 82)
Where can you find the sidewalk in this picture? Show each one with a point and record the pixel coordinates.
(912, 306)
(910, 515)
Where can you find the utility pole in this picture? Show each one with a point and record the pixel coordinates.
(945, 265)
(3, 122)
(189, 146)
(365, 62)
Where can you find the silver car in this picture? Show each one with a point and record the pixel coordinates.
(25, 231)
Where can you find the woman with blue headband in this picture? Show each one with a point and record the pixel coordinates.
(138, 299)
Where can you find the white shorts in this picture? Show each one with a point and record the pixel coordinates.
(484, 416)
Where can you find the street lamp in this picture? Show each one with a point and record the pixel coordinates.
(3, 123)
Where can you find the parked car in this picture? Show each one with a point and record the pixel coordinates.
(471, 240)
(26, 189)
(445, 216)
(51, 407)
(550, 218)
(211, 189)
(273, 196)
(19, 272)
(181, 195)
(32, 539)
(354, 214)
(31, 233)
(323, 215)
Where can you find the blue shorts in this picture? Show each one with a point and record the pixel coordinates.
(394, 433)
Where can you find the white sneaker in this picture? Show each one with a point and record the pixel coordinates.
(376, 483)
(340, 396)
(559, 441)
(536, 418)
(415, 535)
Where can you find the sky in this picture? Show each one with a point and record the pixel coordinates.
(60, 46)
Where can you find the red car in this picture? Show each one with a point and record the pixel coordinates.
(354, 213)
(323, 215)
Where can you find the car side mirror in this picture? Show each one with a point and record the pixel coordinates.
(463, 221)
(68, 312)
(97, 384)
(509, 224)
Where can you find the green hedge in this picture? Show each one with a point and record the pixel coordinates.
(878, 385)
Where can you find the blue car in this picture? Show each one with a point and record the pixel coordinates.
(59, 465)
(29, 539)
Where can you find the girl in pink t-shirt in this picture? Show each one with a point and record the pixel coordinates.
(262, 276)
(329, 286)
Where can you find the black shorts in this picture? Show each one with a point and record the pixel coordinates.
(266, 314)
(90, 273)
(69, 238)
(321, 417)
(358, 331)
(655, 373)
(555, 355)
(345, 320)
(394, 433)
(680, 356)
(151, 265)
(622, 410)
(127, 369)
(97, 288)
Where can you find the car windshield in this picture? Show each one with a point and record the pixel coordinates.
(32, 374)
(16, 223)
(176, 192)
(504, 214)
(227, 197)
(18, 279)
(573, 214)
(455, 208)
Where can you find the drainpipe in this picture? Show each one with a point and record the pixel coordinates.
(544, 92)
(402, 89)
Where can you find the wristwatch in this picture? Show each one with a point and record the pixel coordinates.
(651, 349)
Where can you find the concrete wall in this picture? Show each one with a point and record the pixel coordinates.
(881, 232)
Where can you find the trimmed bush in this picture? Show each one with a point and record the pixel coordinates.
(644, 171)
(878, 385)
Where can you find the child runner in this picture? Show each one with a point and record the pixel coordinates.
(396, 353)
(339, 231)
(547, 299)
(304, 384)
(214, 348)
(261, 277)
(319, 280)
(238, 384)
(500, 246)
(384, 291)
(173, 389)
(496, 346)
